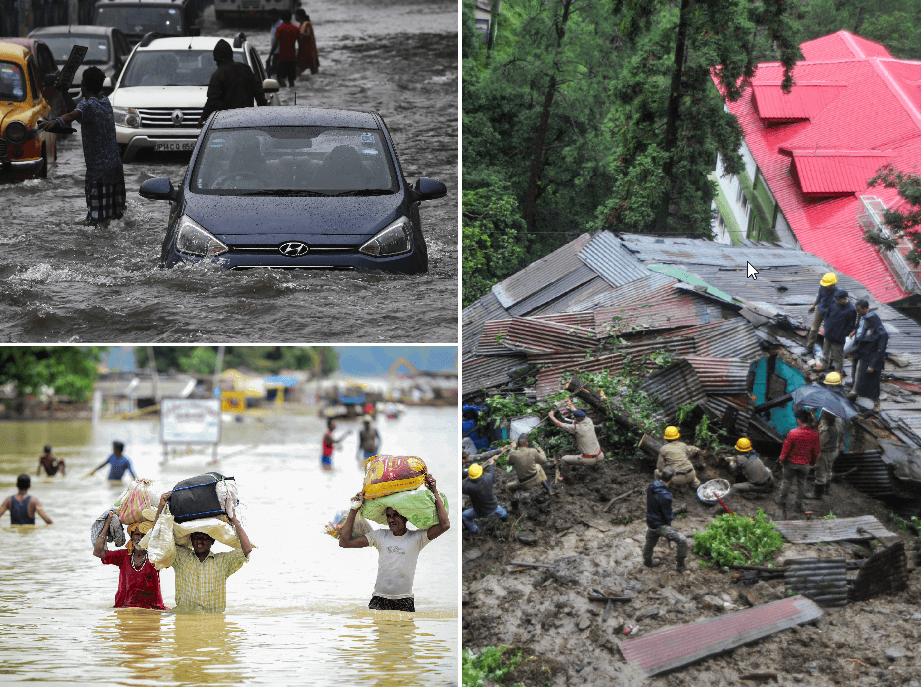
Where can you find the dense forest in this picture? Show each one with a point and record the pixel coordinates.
(581, 115)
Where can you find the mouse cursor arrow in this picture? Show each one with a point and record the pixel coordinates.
(752, 272)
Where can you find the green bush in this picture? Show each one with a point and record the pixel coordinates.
(738, 540)
(493, 663)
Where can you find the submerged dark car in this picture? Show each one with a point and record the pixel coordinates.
(295, 187)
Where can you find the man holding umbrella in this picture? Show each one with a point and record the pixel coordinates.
(831, 436)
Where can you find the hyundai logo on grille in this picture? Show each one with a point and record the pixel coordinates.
(177, 117)
(293, 249)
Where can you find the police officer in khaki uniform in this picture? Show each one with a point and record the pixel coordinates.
(754, 476)
(677, 456)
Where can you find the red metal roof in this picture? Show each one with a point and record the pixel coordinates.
(879, 110)
(836, 172)
(804, 101)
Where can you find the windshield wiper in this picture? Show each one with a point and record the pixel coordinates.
(365, 192)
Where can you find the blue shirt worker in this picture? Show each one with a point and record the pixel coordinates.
(659, 521)
(104, 185)
(22, 506)
(480, 487)
(823, 301)
(118, 463)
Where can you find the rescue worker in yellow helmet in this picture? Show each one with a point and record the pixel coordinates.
(832, 431)
(820, 306)
(676, 455)
(751, 475)
(480, 488)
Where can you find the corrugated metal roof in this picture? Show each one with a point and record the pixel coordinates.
(721, 375)
(694, 252)
(619, 294)
(606, 255)
(542, 297)
(884, 572)
(674, 647)
(804, 101)
(575, 319)
(482, 373)
(828, 174)
(676, 386)
(490, 342)
(824, 580)
(733, 338)
(835, 529)
(667, 309)
(533, 335)
(541, 273)
(475, 316)
(573, 300)
(724, 407)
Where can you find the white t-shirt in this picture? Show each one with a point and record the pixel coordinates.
(396, 561)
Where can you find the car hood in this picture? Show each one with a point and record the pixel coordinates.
(12, 113)
(271, 219)
(159, 96)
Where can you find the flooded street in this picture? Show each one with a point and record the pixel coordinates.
(296, 612)
(62, 282)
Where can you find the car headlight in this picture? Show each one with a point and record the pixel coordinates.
(127, 116)
(193, 239)
(396, 238)
(16, 132)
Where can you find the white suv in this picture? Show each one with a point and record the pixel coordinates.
(161, 92)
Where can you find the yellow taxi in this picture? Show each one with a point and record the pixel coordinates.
(25, 150)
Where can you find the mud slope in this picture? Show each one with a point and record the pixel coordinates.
(547, 609)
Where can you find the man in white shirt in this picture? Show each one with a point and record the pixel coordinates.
(398, 550)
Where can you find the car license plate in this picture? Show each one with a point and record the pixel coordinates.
(185, 145)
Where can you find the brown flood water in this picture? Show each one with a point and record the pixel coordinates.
(296, 613)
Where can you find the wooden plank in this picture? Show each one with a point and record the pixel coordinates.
(813, 531)
(674, 647)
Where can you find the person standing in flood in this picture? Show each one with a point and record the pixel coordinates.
(369, 439)
(138, 579)
(23, 506)
(117, 462)
(50, 464)
(398, 550)
(308, 58)
(288, 42)
(104, 185)
(330, 443)
(232, 85)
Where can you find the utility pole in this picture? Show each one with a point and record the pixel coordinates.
(73, 12)
(153, 374)
(218, 365)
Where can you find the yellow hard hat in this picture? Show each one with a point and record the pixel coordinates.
(829, 279)
(833, 379)
(475, 471)
(672, 433)
(743, 444)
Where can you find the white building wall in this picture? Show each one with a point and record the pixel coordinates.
(784, 234)
(720, 232)
(750, 165)
(729, 185)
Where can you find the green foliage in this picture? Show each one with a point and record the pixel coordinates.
(322, 360)
(494, 663)
(830, 516)
(894, 23)
(492, 239)
(903, 221)
(706, 438)
(738, 540)
(68, 370)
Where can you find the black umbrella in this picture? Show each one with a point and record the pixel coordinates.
(826, 398)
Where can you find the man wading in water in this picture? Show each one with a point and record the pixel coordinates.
(398, 550)
(105, 178)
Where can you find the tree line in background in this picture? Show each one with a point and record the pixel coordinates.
(71, 370)
(584, 115)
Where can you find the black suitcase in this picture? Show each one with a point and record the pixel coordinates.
(196, 498)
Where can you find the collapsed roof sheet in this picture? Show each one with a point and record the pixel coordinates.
(721, 375)
(482, 373)
(571, 300)
(542, 273)
(490, 342)
(486, 309)
(676, 386)
(640, 287)
(607, 256)
(836, 529)
(533, 335)
(667, 309)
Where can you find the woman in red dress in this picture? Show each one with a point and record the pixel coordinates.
(138, 580)
(309, 57)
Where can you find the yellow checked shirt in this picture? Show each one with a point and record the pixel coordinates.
(203, 584)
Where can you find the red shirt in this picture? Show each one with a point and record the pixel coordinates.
(288, 36)
(802, 446)
(328, 445)
(137, 589)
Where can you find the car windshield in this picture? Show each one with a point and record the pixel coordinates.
(136, 21)
(171, 68)
(295, 161)
(97, 47)
(12, 82)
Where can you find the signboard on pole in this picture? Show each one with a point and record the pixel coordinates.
(190, 421)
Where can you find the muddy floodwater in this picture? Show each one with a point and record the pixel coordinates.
(62, 282)
(296, 612)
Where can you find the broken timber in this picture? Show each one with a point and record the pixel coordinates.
(674, 647)
(837, 529)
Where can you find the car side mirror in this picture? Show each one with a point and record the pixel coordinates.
(429, 189)
(160, 188)
(270, 86)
